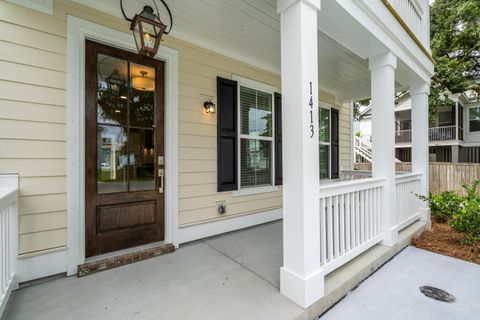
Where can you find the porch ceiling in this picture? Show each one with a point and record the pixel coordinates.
(249, 30)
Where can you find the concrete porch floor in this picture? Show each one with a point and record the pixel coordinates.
(231, 276)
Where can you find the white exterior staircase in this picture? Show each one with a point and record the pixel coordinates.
(363, 148)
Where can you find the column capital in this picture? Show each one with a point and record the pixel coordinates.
(283, 5)
(419, 87)
(386, 59)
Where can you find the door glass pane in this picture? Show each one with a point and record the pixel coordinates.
(255, 163)
(112, 159)
(142, 96)
(142, 159)
(255, 112)
(324, 151)
(324, 124)
(112, 90)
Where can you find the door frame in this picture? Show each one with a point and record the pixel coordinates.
(79, 30)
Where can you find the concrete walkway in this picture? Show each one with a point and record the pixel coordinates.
(233, 276)
(236, 276)
(393, 291)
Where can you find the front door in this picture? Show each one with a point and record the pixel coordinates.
(124, 149)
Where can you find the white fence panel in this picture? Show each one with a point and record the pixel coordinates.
(408, 204)
(349, 220)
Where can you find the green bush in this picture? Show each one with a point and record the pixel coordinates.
(462, 213)
(467, 221)
(444, 205)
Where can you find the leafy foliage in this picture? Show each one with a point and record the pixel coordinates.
(443, 205)
(467, 221)
(461, 212)
(455, 44)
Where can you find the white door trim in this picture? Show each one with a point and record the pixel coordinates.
(78, 31)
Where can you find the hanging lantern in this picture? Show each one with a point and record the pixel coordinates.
(148, 29)
(115, 82)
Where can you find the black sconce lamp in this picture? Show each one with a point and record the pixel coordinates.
(209, 107)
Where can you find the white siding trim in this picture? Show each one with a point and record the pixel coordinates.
(77, 31)
(210, 229)
(42, 266)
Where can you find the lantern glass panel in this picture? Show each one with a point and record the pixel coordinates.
(112, 90)
(149, 35)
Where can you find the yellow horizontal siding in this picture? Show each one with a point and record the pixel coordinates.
(42, 221)
(23, 55)
(43, 203)
(32, 149)
(42, 185)
(15, 72)
(28, 130)
(41, 241)
(18, 110)
(33, 122)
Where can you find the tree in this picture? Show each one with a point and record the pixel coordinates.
(455, 44)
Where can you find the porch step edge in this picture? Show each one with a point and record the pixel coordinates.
(123, 259)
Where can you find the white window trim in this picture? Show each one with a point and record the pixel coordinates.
(241, 81)
(468, 118)
(329, 144)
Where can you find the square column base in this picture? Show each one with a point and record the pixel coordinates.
(302, 291)
(425, 216)
(390, 237)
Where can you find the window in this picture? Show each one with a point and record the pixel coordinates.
(405, 124)
(256, 145)
(474, 119)
(324, 140)
(446, 118)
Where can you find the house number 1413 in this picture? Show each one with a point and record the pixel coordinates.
(310, 103)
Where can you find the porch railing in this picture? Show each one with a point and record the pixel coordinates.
(403, 136)
(407, 187)
(442, 133)
(434, 134)
(410, 12)
(349, 220)
(346, 175)
(8, 237)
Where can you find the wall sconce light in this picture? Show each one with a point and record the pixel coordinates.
(147, 28)
(209, 107)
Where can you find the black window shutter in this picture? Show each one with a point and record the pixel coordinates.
(226, 134)
(334, 145)
(278, 140)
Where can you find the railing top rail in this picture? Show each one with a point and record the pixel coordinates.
(444, 127)
(357, 172)
(408, 177)
(350, 186)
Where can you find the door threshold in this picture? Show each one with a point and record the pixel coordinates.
(123, 257)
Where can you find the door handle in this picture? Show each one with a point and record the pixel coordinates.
(161, 175)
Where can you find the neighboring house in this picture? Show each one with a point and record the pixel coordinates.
(115, 150)
(454, 135)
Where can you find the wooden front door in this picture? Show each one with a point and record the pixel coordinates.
(124, 149)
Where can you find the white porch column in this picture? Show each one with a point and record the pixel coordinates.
(419, 91)
(301, 278)
(382, 70)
